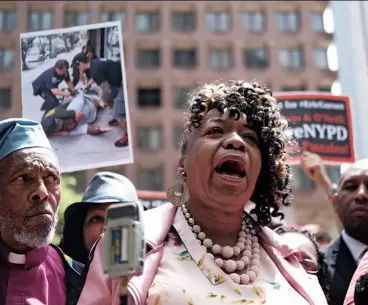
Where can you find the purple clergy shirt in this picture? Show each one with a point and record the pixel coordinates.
(40, 280)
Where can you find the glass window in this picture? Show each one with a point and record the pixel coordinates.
(76, 19)
(38, 21)
(148, 58)
(291, 58)
(316, 22)
(256, 58)
(220, 59)
(218, 22)
(149, 138)
(287, 21)
(8, 20)
(301, 181)
(149, 97)
(148, 21)
(185, 58)
(6, 58)
(5, 98)
(151, 179)
(178, 136)
(181, 96)
(183, 21)
(113, 16)
(253, 21)
(320, 58)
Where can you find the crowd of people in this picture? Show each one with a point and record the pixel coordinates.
(76, 112)
(220, 238)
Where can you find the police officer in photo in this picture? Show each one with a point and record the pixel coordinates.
(108, 75)
(89, 54)
(46, 85)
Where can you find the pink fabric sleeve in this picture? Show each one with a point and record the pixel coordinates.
(98, 288)
(361, 270)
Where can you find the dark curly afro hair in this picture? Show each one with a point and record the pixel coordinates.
(255, 101)
(322, 274)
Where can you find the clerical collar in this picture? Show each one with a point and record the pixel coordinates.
(30, 259)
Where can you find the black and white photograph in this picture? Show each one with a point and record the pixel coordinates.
(73, 82)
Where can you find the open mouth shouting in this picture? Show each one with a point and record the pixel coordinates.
(232, 169)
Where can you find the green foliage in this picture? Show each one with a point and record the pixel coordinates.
(69, 195)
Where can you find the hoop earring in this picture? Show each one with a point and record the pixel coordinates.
(178, 192)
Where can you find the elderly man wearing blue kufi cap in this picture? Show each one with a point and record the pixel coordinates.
(31, 271)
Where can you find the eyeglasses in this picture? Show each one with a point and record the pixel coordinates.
(310, 266)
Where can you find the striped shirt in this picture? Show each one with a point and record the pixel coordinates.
(361, 270)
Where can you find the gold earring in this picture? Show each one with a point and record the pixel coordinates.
(178, 192)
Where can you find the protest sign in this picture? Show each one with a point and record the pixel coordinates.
(320, 123)
(73, 82)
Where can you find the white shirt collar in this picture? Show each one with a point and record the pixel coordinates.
(355, 246)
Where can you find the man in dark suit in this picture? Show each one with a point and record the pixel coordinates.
(351, 204)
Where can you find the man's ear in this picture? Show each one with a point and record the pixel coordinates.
(334, 200)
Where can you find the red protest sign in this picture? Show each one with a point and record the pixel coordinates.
(320, 123)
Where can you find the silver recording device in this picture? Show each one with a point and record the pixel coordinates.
(124, 246)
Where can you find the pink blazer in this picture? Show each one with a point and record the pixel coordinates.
(101, 290)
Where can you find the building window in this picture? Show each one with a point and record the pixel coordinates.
(324, 89)
(149, 138)
(181, 96)
(6, 58)
(256, 58)
(291, 58)
(333, 172)
(5, 98)
(149, 97)
(220, 59)
(178, 137)
(287, 88)
(316, 22)
(151, 179)
(218, 22)
(287, 21)
(185, 58)
(301, 181)
(8, 20)
(148, 58)
(113, 16)
(183, 21)
(38, 21)
(320, 58)
(148, 22)
(76, 19)
(254, 21)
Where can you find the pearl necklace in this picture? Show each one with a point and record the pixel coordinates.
(247, 242)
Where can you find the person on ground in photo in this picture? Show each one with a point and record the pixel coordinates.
(32, 271)
(83, 221)
(107, 74)
(46, 85)
(74, 118)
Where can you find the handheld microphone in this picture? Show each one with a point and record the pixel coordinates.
(124, 244)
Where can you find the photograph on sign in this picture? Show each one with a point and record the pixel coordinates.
(320, 123)
(73, 82)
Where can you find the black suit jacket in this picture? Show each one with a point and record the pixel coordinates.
(341, 267)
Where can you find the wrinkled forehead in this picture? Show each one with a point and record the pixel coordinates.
(356, 171)
(28, 157)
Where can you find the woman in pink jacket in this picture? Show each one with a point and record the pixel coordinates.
(204, 248)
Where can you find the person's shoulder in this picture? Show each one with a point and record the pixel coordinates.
(334, 245)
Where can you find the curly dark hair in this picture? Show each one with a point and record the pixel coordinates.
(260, 107)
(322, 274)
